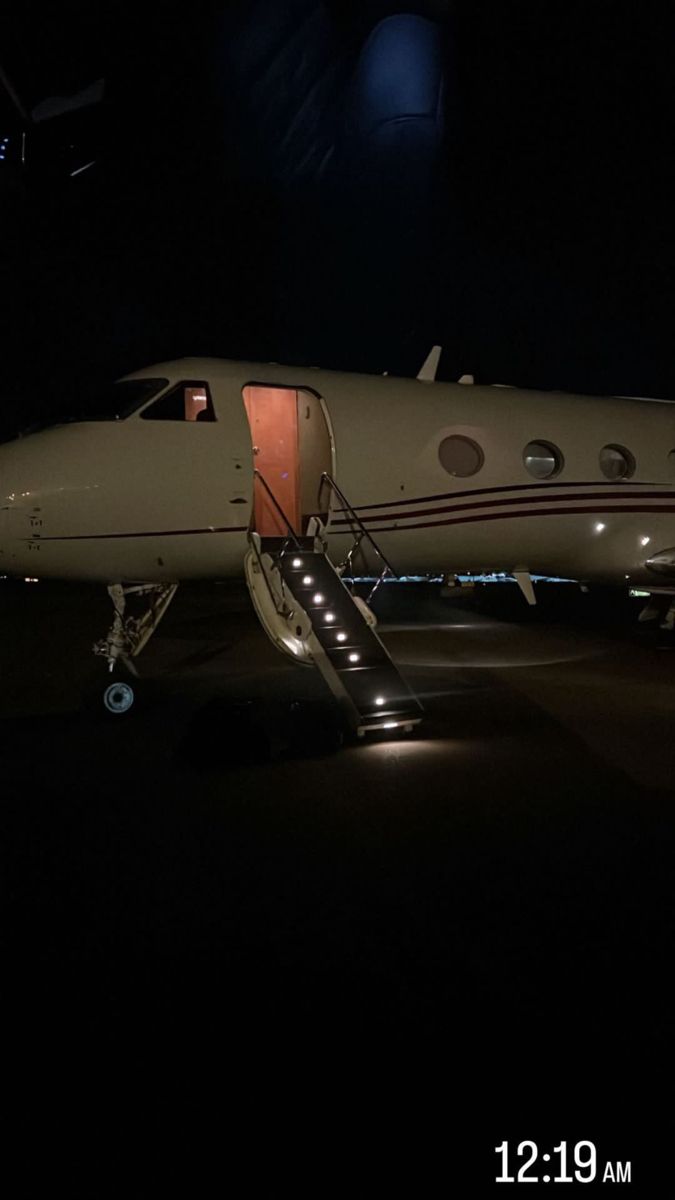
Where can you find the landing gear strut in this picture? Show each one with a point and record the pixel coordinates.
(661, 607)
(667, 628)
(668, 622)
(127, 636)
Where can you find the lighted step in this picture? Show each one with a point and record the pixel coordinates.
(361, 658)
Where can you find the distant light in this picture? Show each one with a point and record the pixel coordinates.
(342, 637)
(81, 169)
(379, 700)
(600, 525)
(330, 617)
(307, 580)
(390, 725)
(354, 657)
(644, 541)
(317, 598)
(28, 579)
(297, 562)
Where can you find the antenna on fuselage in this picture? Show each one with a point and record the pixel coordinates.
(427, 371)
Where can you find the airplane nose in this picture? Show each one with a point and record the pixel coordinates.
(662, 563)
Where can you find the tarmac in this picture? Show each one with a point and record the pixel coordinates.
(480, 910)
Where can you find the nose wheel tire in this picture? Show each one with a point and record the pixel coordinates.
(118, 697)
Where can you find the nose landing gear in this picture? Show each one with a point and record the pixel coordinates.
(127, 636)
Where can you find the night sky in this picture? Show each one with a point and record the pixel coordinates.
(257, 194)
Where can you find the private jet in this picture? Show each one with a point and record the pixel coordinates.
(300, 479)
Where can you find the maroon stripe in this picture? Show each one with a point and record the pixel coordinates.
(533, 512)
(97, 537)
(516, 487)
(427, 512)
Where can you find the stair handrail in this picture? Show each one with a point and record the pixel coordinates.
(363, 532)
(293, 535)
(282, 609)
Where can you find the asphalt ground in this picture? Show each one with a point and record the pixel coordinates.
(393, 954)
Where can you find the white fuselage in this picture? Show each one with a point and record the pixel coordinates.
(154, 500)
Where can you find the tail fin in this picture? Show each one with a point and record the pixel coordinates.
(429, 367)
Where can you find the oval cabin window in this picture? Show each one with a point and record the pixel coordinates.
(460, 456)
(542, 460)
(616, 462)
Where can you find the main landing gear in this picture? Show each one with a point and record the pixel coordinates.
(126, 637)
(661, 607)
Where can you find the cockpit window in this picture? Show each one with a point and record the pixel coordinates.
(110, 402)
(121, 399)
(188, 401)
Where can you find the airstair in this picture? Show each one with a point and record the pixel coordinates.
(309, 613)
